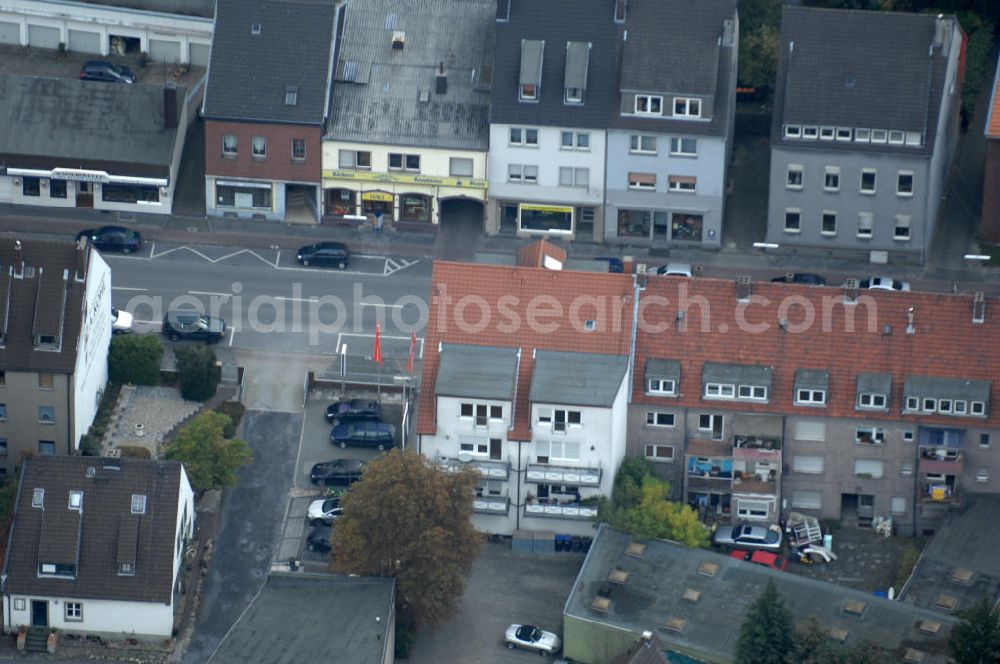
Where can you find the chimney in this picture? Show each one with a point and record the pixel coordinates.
(851, 291)
(170, 107)
(941, 25)
(979, 307)
(744, 288)
(441, 85)
(910, 329)
(398, 39)
(627, 263)
(621, 10)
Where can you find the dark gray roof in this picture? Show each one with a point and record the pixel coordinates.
(658, 580)
(249, 75)
(301, 617)
(967, 540)
(736, 374)
(201, 8)
(378, 89)
(41, 302)
(947, 388)
(874, 383)
(477, 372)
(576, 379)
(663, 368)
(83, 124)
(55, 530)
(813, 379)
(549, 21)
(863, 69)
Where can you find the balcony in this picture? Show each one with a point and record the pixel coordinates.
(574, 511)
(497, 505)
(755, 485)
(942, 489)
(748, 447)
(941, 461)
(491, 470)
(709, 485)
(566, 475)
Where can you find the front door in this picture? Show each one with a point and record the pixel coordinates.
(39, 613)
(495, 444)
(84, 195)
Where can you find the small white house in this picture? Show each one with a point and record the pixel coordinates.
(96, 546)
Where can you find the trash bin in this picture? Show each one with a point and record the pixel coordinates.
(575, 544)
(562, 542)
(585, 543)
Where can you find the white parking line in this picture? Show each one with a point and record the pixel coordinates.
(232, 335)
(126, 288)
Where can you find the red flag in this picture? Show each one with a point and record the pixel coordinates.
(413, 349)
(377, 355)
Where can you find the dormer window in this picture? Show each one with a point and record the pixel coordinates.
(126, 569)
(76, 500)
(291, 96)
(255, 29)
(687, 107)
(872, 401)
(577, 63)
(138, 503)
(530, 78)
(38, 499)
(648, 105)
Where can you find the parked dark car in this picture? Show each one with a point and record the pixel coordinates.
(99, 70)
(192, 325)
(112, 238)
(353, 410)
(615, 265)
(318, 539)
(340, 472)
(364, 433)
(331, 254)
(801, 278)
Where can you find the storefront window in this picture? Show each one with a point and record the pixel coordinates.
(661, 225)
(341, 201)
(414, 207)
(547, 218)
(686, 227)
(377, 202)
(634, 223)
(57, 188)
(243, 197)
(129, 193)
(31, 186)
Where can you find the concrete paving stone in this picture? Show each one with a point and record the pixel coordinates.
(158, 409)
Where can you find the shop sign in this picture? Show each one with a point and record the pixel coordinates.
(548, 208)
(402, 178)
(377, 196)
(78, 175)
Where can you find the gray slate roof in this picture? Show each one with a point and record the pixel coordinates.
(853, 68)
(947, 388)
(86, 124)
(55, 530)
(377, 89)
(576, 379)
(301, 617)
(736, 374)
(248, 74)
(476, 372)
(657, 582)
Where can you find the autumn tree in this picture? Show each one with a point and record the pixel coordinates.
(210, 459)
(976, 640)
(410, 519)
(767, 635)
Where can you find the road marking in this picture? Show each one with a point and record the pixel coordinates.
(146, 322)
(393, 265)
(380, 304)
(197, 292)
(232, 335)
(126, 288)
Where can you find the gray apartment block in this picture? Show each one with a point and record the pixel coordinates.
(864, 129)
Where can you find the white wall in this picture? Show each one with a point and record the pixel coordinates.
(91, 372)
(184, 527)
(112, 618)
(433, 161)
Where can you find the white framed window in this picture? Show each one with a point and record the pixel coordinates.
(944, 405)
(74, 611)
(845, 134)
(872, 400)
(496, 413)
(545, 416)
(874, 468)
(355, 159)
(642, 144)
(810, 397)
(810, 133)
(897, 505)
(19, 604)
(793, 220)
(528, 92)
(654, 419)
(682, 183)
(807, 500)
(896, 137)
(862, 135)
(524, 136)
(982, 476)
(869, 435)
(868, 177)
(901, 229)
(711, 423)
(563, 419)
(810, 430)
(906, 468)
(912, 404)
(474, 445)
(929, 405)
(659, 452)
(525, 173)
(904, 184)
(683, 147)
(752, 509)
(298, 149)
(831, 179)
(230, 145)
(812, 465)
(984, 441)
(645, 181)
(460, 167)
(661, 386)
(793, 176)
(258, 147)
(879, 135)
(961, 407)
(793, 131)
(977, 408)
(687, 107)
(826, 133)
(404, 162)
(649, 104)
(574, 140)
(828, 222)
(719, 391)
(754, 392)
(557, 450)
(908, 436)
(914, 138)
(866, 224)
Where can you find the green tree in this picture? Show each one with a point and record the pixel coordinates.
(410, 519)
(198, 372)
(976, 639)
(767, 635)
(135, 359)
(760, 24)
(210, 459)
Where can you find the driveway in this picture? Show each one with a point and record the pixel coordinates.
(251, 518)
(504, 587)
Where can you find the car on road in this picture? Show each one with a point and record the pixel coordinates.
(745, 536)
(324, 510)
(800, 278)
(353, 410)
(364, 433)
(765, 558)
(318, 539)
(673, 270)
(339, 472)
(101, 70)
(121, 322)
(884, 283)
(193, 325)
(112, 238)
(534, 638)
(329, 254)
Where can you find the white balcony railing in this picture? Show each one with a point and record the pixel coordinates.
(492, 470)
(546, 474)
(490, 504)
(560, 511)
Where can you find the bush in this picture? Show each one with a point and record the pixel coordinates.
(135, 359)
(405, 636)
(90, 445)
(234, 411)
(197, 372)
(907, 561)
(135, 452)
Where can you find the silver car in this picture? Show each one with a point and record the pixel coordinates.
(745, 536)
(324, 510)
(534, 638)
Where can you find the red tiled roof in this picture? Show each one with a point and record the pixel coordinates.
(529, 308)
(533, 255)
(946, 343)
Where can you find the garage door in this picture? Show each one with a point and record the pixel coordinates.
(41, 36)
(199, 55)
(82, 41)
(161, 50)
(10, 33)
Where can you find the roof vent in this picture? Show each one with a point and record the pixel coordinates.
(441, 80)
(931, 627)
(621, 11)
(38, 498)
(839, 634)
(979, 307)
(618, 576)
(691, 596)
(600, 605)
(913, 656)
(708, 569)
(76, 500)
(635, 549)
(961, 575)
(91, 472)
(675, 624)
(744, 288)
(855, 607)
(424, 96)
(946, 602)
(255, 29)
(851, 291)
(398, 39)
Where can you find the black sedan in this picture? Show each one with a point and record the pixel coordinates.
(331, 254)
(319, 537)
(342, 472)
(192, 325)
(112, 238)
(353, 410)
